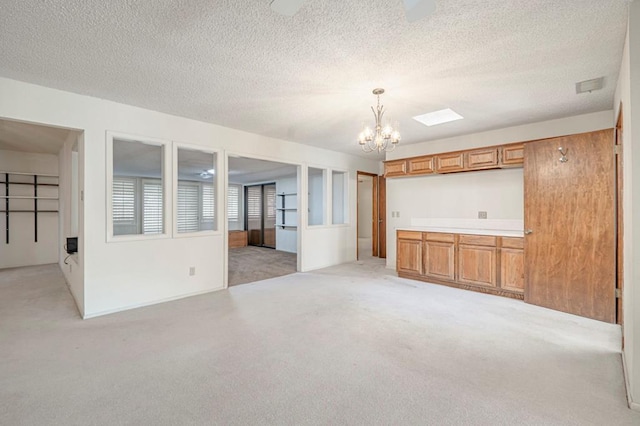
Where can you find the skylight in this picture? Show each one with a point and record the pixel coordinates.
(438, 117)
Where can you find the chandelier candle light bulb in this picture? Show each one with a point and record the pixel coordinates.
(385, 137)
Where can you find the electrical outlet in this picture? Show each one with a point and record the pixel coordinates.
(482, 215)
(192, 271)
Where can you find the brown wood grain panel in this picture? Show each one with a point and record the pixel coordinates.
(409, 256)
(478, 240)
(439, 236)
(513, 242)
(513, 154)
(409, 235)
(395, 168)
(512, 269)
(237, 239)
(382, 217)
(482, 158)
(569, 208)
(450, 162)
(439, 259)
(477, 264)
(420, 165)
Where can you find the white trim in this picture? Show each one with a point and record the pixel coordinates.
(167, 194)
(153, 302)
(625, 372)
(217, 187)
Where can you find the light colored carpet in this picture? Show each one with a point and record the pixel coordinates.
(351, 344)
(251, 263)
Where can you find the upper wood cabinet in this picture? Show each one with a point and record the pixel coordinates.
(513, 154)
(482, 159)
(409, 252)
(450, 162)
(492, 157)
(420, 165)
(395, 168)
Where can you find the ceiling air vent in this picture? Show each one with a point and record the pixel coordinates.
(589, 85)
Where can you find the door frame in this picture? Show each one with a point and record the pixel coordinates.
(374, 211)
(619, 234)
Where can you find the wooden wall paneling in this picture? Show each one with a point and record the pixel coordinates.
(569, 207)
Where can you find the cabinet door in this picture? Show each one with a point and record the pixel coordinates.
(482, 158)
(439, 259)
(477, 265)
(420, 165)
(395, 168)
(512, 269)
(452, 162)
(513, 154)
(409, 256)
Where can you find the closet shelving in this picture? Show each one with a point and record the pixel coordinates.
(26, 179)
(283, 209)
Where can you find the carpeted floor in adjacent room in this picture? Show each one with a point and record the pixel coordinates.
(251, 263)
(351, 344)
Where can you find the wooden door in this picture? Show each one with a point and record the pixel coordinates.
(569, 225)
(382, 217)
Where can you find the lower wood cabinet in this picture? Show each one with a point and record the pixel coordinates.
(439, 259)
(485, 263)
(409, 252)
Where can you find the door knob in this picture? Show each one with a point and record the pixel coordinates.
(528, 231)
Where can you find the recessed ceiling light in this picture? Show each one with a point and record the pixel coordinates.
(438, 117)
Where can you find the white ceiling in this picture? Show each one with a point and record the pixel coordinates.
(27, 137)
(308, 78)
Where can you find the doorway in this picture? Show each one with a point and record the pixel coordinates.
(262, 219)
(371, 216)
(260, 214)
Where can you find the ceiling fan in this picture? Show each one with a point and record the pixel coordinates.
(414, 9)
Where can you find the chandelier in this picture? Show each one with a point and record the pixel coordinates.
(384, 137)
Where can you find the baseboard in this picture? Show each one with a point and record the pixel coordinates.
(625, 372)
(153, 302)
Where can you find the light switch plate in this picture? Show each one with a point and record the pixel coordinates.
(482, 215)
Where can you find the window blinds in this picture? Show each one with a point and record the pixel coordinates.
(208, 203)
(254, 202)
(188, 201)
(270, 195)
(152, 217)
(124, 200)
(233, 203)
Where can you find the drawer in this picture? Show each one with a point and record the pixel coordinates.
(409, 235)
(478, 240)
(439, 236)
(515, 243)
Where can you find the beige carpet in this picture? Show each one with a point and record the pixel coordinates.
(348, 345)
(250, 264)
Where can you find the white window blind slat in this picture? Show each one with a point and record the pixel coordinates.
(152, 212)
(188, 200)
(124, 200)
(233, 203)
(254, 202)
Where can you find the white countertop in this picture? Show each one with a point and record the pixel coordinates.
(470, 231)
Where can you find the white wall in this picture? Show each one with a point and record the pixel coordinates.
(22, 249)
(125, 274)
(462, 195)
(71, 215)
(365, 207)
(287, 238)
(628, 93)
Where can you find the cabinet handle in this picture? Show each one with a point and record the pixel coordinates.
(528, 231)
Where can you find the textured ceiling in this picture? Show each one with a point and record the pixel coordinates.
(308, 78)
(26, 137)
